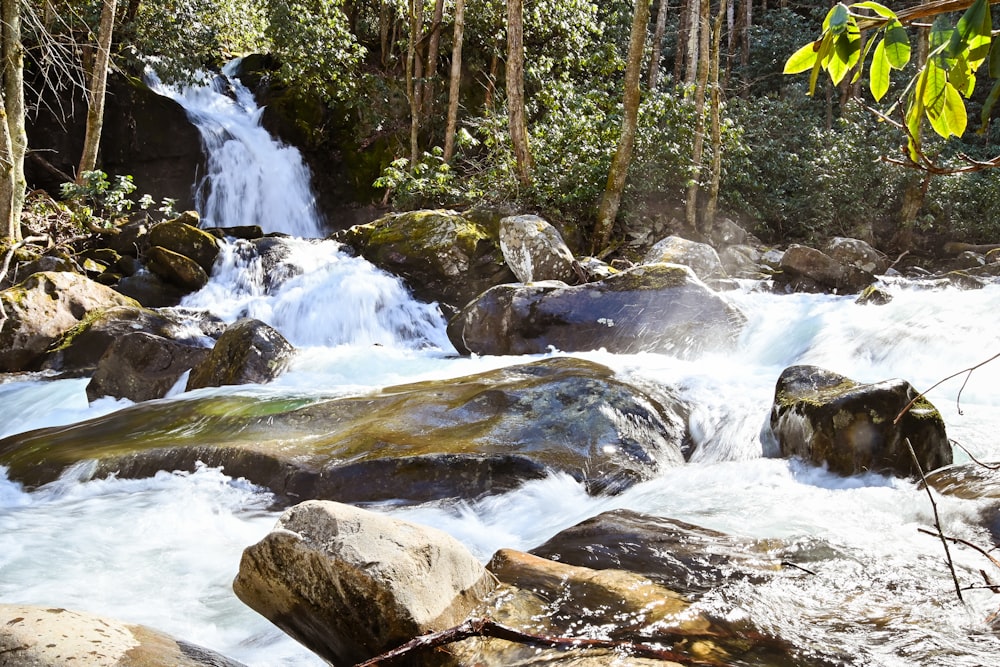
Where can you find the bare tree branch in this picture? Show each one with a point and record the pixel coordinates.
(967, 371)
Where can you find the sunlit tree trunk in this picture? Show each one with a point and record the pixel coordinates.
(694, 27)
(414, 74)
(433, 45)
(515, 90)
(612, 197)
(680, 54)
(708, 219)
(697, 154)
(96, 89)
(455, 80)
(654, 60)
(13, 137)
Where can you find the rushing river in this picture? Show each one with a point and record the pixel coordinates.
(163, 551)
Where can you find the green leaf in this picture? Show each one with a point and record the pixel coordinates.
(846, 51)
(935, 82)
(972, 34)
(995, 60)
(938, 40)
(988, 105)
(881, 10)
(914, 118)
(897, 45)
(825, 46)
(836, 19)
(803, 59)
(961, 76)
(948, 118)
(878, 77)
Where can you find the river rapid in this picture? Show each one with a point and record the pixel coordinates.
(163, 551)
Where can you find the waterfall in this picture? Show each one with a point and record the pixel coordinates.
(251, 178)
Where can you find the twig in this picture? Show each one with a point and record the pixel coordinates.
(484, 627)
(940, 382)
(981, 464)
(898, 259)
(797, 567)
(937, 519)
(966, 543)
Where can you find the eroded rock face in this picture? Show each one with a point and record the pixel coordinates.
(534, 250)
(699, 257)
(650, 308)
(828, 419)
(460, 437)
(53, 637)
(42, 308)
(140, 366)
(350, 584)
(442, 256)
(248, 352)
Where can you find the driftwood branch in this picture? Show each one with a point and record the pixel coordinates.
(484, 627)
(937, 519)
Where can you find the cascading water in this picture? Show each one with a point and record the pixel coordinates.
(163, 551)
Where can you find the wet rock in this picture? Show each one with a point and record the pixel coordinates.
(442, 256)
(873, 296)
(699, 257)
(140, 367)
(828, 419)
(53, 637)
(41, 309)
(650, 308)
(83, 346)
(248, 352)
(807, 269)
(182, 236)
(461, 437)
(857, 253)
(534, 250)
(970, 481)
(176, 269)
(741, 261)
(150, 290)
(682, 556)
(350, 584)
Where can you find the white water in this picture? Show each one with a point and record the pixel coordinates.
(163, 551)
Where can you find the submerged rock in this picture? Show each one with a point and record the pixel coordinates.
(248, 352)
(53, 637)
(650, 308)
(350, 584)
(828, 419)
(41, 309)
(450, 438)
(441, 255)
(534, 250)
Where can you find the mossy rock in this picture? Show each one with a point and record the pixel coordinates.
(176, 269)
(827, 419)
(449, 438)
(183, 238)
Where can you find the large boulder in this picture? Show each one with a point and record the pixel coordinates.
(460, 437)
(176, 269)
(700, 257)
(535, 250)
(181, 235)
(248, 352)
(83, 346)
(140, 366)
(650, 308)
(441, 255)
(41, 309)
(857, 253)
(350, 584)
(827, 419)
(807, 269)
(52, 637)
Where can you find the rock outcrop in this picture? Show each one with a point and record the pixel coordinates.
(827, 419)
(650, 308)
(809, 270)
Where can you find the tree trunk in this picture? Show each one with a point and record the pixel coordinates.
(611, 199)
(13, 137)
(697, 154)
(491, 81)
(695, 17)
(515, 90)
(745, 33)
(708, 220)
(680, 49)
(96, 90)
(654, 61)
(414, 72)
(385, 21)
(455, 81)
(433, 46)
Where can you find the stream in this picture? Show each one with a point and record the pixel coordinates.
(163, 551)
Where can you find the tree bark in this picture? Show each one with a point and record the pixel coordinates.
(611, 199)
(708, 219)
(97, 88)
(654, 61)
(697, 154)
(433, 45)
(414, 72)
(515, 90)
(695, 18)
(13, 137)
(455, 81)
